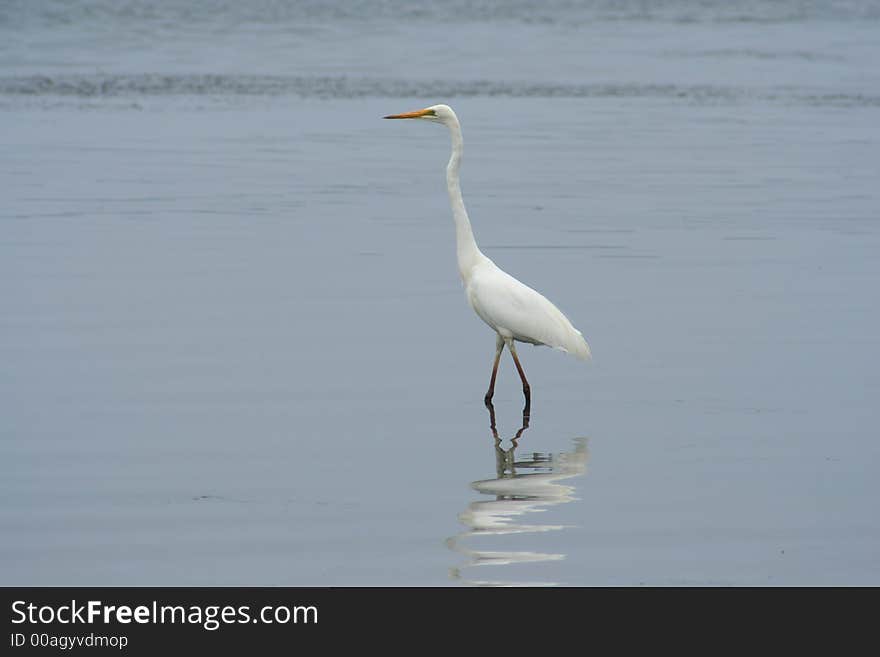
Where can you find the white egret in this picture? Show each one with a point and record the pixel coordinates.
(516, 312)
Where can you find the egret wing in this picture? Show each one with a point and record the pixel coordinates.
(516, 310)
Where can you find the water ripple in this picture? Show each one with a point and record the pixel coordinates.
(146, 84)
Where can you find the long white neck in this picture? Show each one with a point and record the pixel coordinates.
(466, 247)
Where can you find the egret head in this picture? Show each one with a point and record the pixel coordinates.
(435, 114)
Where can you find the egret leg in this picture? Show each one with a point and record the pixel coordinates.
(499, 347)
(492, 426)
(527, 391)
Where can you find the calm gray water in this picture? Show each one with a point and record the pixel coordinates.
(234, 345)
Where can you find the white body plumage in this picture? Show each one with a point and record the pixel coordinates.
(516, 311)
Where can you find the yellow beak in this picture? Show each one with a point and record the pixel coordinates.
(411, 115)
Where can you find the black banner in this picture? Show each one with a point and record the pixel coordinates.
(134, 621)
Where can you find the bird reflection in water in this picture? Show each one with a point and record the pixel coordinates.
(521, 487)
